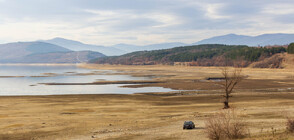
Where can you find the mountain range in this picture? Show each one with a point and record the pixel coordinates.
(41, 52)
(229, 39)
(79, 46)
(132, 48)
(260, 40)
(114, 50)
(60, 50)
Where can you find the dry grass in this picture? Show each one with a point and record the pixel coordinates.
(149, 116)
(225, 124)
(133, 116)
(187, 78)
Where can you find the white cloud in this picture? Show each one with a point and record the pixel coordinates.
(163, 19)
(166, 20)
(279, 9)
(107, 22)
(212, 11)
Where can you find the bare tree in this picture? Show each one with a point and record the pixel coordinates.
(231, 79)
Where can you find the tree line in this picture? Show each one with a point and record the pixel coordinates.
(206, 55)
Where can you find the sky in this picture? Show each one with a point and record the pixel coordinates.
(141, 22)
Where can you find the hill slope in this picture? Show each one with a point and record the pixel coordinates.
(200, 55)
(288, 62)
(261, 40)
(60, 57)
(79, 46)
(40, 52)
(21, 49)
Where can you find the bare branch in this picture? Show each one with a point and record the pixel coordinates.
(231, 79)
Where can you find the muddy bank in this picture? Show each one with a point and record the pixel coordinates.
(107, 82)
(11, 76)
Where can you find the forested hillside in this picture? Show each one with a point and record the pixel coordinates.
(198, 55)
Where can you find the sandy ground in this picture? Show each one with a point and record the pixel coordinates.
(132, 116)
(265, 98)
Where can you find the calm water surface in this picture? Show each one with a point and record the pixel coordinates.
(32, 75)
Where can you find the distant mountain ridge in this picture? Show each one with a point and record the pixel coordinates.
(41, 52)
(114, 50)
(229, 39)
(64, 49)
(21, 49)
(79, 46)
(260, 40)
(133, 48)
(60, 57)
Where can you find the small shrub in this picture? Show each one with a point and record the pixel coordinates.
(225, 125)
(290, 125)
(291, 48)
(214, 128)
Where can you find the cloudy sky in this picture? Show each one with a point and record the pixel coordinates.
(141, 22)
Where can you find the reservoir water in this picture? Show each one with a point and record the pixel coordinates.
(25, 79)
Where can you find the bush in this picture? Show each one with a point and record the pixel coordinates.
(291, 48)
(290, 125)
(225, 125)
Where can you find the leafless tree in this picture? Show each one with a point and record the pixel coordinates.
(231, 79)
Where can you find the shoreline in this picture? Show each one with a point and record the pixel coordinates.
(157, 115)
(40, 64)
(170, 93)
(181, 78)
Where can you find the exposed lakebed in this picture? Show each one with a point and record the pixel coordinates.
(67, 79)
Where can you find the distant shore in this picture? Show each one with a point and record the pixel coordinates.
(40, 64)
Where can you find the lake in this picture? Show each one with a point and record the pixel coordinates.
(25, 79)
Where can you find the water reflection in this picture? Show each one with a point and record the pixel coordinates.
(28, 85)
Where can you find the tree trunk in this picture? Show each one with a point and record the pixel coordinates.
(226, 102)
